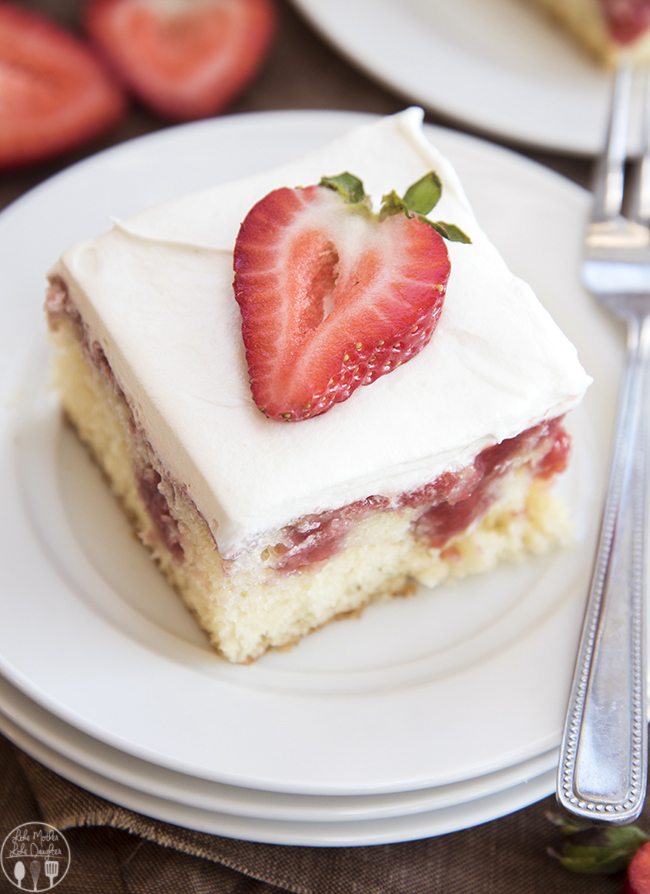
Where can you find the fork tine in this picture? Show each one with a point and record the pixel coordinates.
(610, 171)
(640, 205)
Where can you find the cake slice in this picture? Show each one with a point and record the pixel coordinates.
(612, 30)
(268, 528)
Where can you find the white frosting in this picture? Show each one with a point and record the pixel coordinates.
(156, 292)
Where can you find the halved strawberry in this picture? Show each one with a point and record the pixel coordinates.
(333, 296)
(183, 59)
(55, 95)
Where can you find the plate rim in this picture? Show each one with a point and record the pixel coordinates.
(34, 720)
(385, 830)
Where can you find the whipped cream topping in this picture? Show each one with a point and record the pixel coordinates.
(156, 292)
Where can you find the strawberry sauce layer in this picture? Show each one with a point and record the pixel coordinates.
(449, 504)
(59, 307)
(626, 19)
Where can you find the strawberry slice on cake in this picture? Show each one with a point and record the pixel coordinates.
(332, 295)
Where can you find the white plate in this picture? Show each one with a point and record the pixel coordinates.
(318, 834)
(17, 711)
(498, 66)
(454, 684)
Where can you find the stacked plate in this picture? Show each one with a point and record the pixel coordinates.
(428, 715)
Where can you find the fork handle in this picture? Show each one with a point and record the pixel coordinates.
(603, 758)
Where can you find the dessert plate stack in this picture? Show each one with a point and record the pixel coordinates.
(428, 715)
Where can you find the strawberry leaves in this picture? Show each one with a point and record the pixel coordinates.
(419, 200)
(349, 187)
(595, 850)
(422, 196)
(448, 231)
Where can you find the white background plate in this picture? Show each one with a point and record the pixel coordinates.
(441, 688)
(495, 65)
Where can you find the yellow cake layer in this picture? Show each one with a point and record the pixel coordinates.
(245, 606)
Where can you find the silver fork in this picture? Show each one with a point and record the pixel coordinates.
(603, 759)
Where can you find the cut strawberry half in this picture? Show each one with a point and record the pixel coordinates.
(55, 95)
(333, 296)
(183, 59)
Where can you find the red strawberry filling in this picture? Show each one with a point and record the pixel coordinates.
(444, 519)
(626, 19)
(449, 504)
(317, 537)
(149, 481)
